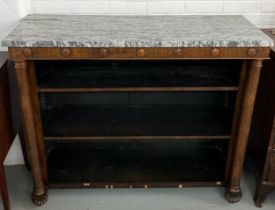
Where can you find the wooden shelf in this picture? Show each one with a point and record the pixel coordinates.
(136, 122)
(135, 138)
(129, 165)
(135, 89)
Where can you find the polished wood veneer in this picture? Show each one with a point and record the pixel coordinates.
(137, 53)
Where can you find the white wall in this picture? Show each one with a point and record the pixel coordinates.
(259, 12)
(10, 13)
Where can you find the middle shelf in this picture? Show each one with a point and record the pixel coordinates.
(137, 116)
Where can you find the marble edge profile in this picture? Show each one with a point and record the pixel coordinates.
(138, 43)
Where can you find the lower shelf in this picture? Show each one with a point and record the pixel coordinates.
(130, 165)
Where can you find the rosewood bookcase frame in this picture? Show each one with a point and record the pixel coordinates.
(252, 62)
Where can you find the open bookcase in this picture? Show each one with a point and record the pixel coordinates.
(130, 123)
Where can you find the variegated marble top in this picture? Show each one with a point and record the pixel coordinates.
(135, 31)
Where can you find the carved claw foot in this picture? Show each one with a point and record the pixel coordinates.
(233, 196)
(40, 200)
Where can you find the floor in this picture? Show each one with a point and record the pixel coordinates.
(19, 182)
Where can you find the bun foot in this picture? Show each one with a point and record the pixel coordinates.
(40, 200)
(233, 196)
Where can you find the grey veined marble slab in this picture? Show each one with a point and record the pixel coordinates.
(136, 31)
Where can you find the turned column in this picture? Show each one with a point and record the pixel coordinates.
(241, 126)
(38, 124)
(39, 195)
(235, 126)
